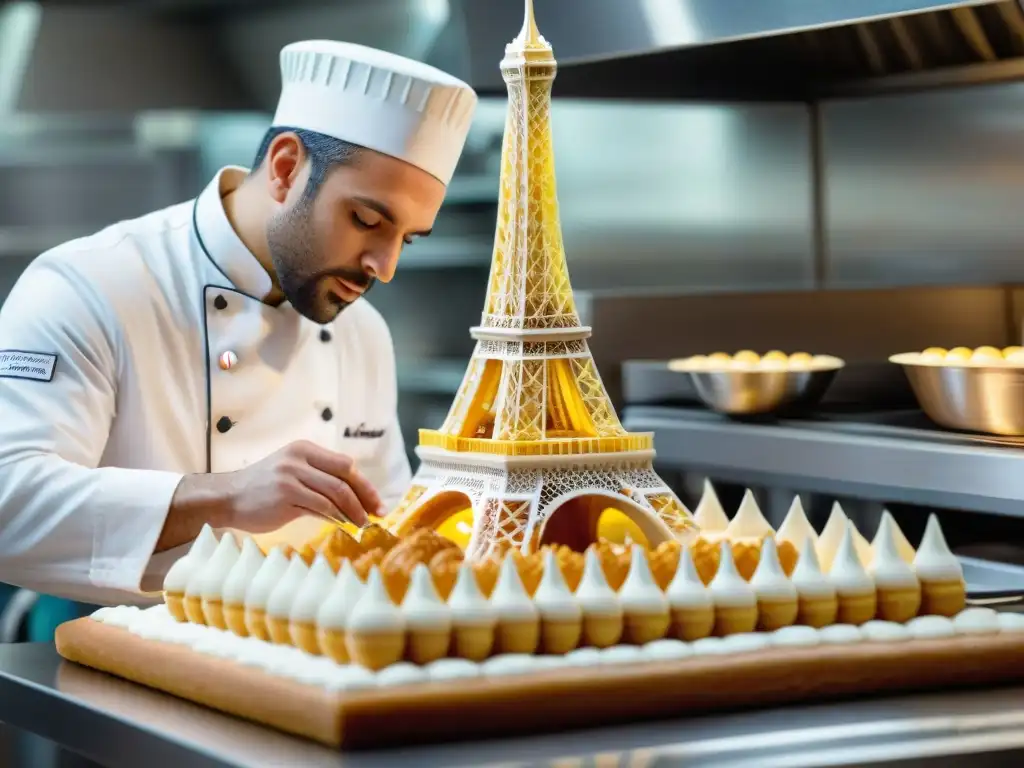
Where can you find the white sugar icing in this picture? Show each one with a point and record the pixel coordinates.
(619, 654)
(510, 600)
(745, 642)
(452, 669)
(314, 590)
(208, 581)
(728, 588)
(807, 577)
(686, 591)
(840, 634)
(583, 657)
(888, 569)
(375, 612)
(181, 571)
(798, 635)
(257, 594)
(279, 604)
(832, 536)
(796, 528)
(553, 598)
(467, 604)
(709, 646)
(594, 595)
(508, 664)
(976, 621)
(749, 523)
(639, 593)
(351, 677)
(422, 607)
(1010, 622)
(401, 673)
(709, 515)
(769, 580)
(667, 649)
(884, 631)
(903, 546)
(243, 572)
(930, 626)
(935, 561)
(342, 597)
(847, 574)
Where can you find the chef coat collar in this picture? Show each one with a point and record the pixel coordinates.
(219, 240)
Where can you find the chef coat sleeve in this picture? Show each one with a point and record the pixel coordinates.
(67, 527)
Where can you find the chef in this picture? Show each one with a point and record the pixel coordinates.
(216, 362)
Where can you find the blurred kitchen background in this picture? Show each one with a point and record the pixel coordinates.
(835, 177)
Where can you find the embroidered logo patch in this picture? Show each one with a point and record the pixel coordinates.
(18, 364)
(362, 431)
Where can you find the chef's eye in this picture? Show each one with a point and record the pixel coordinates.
(362, 223)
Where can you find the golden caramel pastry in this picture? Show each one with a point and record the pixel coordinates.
(987, 353)
(937, 351)
(339, 546)
(775, 356)
(486, 572)
(570, 563)
(801, 358)
(444, 569)
(788, 555)
(746, 356)
(530, 567)
(719, 357)
(375, 537)
(664, 561)
(959, 354)
(614, 562)
(366, 561)
(1013, 350)
(706, 552)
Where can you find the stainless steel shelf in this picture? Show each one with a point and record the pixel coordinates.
(869, 461)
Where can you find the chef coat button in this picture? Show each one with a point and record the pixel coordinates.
(326, 414)
(325, 335)
(220, 302)
(227, 360)
(224, 424)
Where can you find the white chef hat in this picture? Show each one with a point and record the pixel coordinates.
(387, 103)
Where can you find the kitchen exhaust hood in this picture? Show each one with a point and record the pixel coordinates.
(222, 54)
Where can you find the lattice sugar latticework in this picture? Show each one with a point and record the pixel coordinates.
(532, 430)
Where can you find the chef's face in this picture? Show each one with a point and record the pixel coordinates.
(329, 248)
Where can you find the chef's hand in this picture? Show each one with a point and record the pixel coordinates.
(301, 479)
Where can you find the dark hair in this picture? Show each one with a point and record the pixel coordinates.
(325, 152)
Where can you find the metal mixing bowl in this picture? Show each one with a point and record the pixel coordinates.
(971, 397)
(752, 391)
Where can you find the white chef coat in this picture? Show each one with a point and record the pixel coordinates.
(111, 391)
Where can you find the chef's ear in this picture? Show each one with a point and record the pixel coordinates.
(286, 157)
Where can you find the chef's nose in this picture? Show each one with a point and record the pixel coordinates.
(381, 262)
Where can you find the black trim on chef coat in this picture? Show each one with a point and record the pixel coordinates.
(206, 333)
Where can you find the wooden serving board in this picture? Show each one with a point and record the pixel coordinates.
(549, 700)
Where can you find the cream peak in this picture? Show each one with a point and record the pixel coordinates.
(421, 586)
(749, 523)
(205, 543)
(935, 561)
(768, 566)
(832, 536)
(593, 572)
(466, 588)
(509, 585)
(807, 565)
(639, 568)
(709, 515)
(686, 571)
(796, 528)
(726, 566)
(903, 547)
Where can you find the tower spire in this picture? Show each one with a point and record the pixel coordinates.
(529, 40)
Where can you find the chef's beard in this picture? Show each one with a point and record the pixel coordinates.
(294, 255)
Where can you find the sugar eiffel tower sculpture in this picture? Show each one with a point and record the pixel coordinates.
(532, 441)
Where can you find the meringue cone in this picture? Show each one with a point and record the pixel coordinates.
(194, 609)
(376, 634)
(898, 605)
(943, 598)
(517, 636)
(176, 605)
(857, 609)
(279, 630)
(733, 620)
(816, 611)
(691, 624)
(213, 612)
(332, 645)
(303, 636)
(234, 618)
(474, 643)
(375, 650)
(776, 614)
(256, 623)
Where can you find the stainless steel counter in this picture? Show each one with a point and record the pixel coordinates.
(118, 724)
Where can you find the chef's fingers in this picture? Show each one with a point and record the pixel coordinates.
(343, 467)
(312, 502)
(337, 491)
